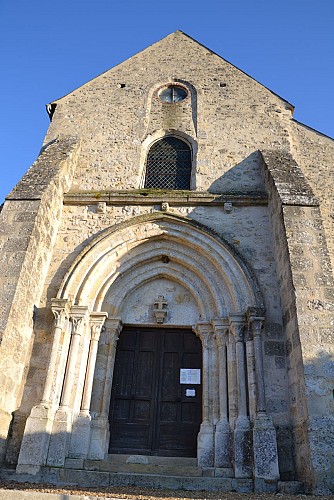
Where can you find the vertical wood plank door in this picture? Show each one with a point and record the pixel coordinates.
(151, 412)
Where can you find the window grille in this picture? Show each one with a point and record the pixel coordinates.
(168, 165)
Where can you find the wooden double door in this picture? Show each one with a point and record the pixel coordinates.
(151, 411)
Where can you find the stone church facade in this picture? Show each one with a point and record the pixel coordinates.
(167, 283)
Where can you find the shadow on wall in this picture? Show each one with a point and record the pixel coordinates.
(244, 178)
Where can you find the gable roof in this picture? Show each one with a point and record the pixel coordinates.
(171, 40)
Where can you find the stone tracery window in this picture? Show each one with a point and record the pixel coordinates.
(168, 164)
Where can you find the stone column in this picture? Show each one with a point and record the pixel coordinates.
(61, 314)
(223, 436)
(214, 382)
(232, 380)
(205, 441)
(251, 379)
(242, 434)
(35, 442)
(100, 433)
(81, 427)
(61, 430)
(264, 433)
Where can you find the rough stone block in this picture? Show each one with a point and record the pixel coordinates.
(265, 449)
(243, 485)
(242, 452)
(290, 487)
(206, 446)
(60, 437)
(265, 485)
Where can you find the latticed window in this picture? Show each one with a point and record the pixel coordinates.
(168, 165)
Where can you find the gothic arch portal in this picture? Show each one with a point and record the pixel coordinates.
(158, 254)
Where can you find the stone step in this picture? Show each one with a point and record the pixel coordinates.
(142, 464)
(101, 480)
(64, 476)
(151, 459)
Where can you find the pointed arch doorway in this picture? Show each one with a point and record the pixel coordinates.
(155, 410)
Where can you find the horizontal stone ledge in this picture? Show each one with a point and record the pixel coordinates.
(174, 198)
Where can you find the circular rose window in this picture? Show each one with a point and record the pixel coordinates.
(172, 93)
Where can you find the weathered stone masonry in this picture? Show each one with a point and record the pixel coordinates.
(243, 259)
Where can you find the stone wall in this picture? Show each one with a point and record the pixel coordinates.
(228, 117)
(315, 155)
(29, 223)
(306, 282)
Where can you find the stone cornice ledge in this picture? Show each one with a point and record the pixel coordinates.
(174, 198)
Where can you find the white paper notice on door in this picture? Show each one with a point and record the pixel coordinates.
(190, 376)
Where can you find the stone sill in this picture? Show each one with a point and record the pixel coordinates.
(174, 198)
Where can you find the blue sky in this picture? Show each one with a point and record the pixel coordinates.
(50, 48)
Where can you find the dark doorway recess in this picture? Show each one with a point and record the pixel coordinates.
(151, 412)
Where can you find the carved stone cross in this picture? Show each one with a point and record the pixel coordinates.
(160, 303)
(160, 308)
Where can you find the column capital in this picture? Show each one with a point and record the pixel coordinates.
(77, 315)
(248, 334)
(204, 331)
(236, 318)
(113, 325)
(256, 326)
(60, 303)
(96, 320)
(203, 327)
(60, 309)
(221, 329)
(255, 319)
(237, 326)
(220, 324)
(255, 313)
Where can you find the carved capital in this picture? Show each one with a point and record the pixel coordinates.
(221, 338)
(77, 317)
(96, 321)
(221, 328)
(237, 327)
(60, 310)
(113, 328)
(248, 334)
(255, 319)
(256, 326)
(204, 331)
(255, 312)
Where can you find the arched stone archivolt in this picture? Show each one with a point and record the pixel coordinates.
(207, 260)
(175, 255)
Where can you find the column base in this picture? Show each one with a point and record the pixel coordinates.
(242, 449)
(205, 445)
(80, 436)
(223, 445)
(35, 442)
(59, 440)
(99, 438)
(265, 448)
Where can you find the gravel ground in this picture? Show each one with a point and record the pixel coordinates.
(136, 493)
